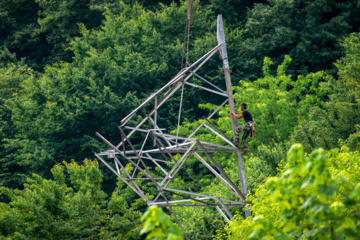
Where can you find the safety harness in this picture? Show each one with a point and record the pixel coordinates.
(253, 129)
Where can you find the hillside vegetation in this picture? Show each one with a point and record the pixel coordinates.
(71, 68)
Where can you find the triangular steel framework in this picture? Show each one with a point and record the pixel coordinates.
(158, 163)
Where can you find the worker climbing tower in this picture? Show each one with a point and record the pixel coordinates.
(224, 57)
(160, 155)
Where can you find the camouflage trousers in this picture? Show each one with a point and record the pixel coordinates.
(246, 128)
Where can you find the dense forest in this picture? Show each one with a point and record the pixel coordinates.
(71, 68)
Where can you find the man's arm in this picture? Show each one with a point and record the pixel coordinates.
(237, 116)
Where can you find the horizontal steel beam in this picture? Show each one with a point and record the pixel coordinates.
(196, 205)
(203, 195)
(207, 89)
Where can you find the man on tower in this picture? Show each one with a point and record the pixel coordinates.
(247, 128)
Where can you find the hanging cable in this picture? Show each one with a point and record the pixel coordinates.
(189, 21)
(190, 13)
(183, 52)
(212, 37)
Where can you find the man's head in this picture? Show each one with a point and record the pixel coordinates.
(243, 106)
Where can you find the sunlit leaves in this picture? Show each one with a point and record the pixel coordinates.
(306, 200)
(158, 225)
(71, 206)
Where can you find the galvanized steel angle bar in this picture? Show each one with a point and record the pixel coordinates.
(206, 89)
(117, 167)
(123, 179)
(179, 201)
(158, 142)
(160, 130)
(148, 156)
(176, 87)
(239, 193)
(222, 213)
(172, 173)
(162, 148)
(178, 77)
(140, 159)
(224, 135)
(117, 162)
(209, 117)
(155, 116)
(149, 175)
(121, 154)
(214, 172)
(179, 164)
(196, 205)
(143, 130)
(225, 208)
(149, 115)
(142, 147)
(223, 54)
(180, 108)
(203, 195)
(208, 82)
(193, 199)
(155, 162)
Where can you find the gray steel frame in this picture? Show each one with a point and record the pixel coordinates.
(185, 147)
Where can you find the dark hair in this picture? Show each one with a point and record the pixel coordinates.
(244, 105)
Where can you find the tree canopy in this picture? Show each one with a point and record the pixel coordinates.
(72, 68)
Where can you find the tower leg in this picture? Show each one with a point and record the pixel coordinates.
(223, 54)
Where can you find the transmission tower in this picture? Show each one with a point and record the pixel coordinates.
(162, 154)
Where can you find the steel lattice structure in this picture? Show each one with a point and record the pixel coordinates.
(165, 146)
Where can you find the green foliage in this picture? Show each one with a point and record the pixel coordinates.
(71, 206)
(233, 11)
(201, 222)
(117, 53)
(337, 112)
(313, 197)
(18, 20)
(157, 225)
(59, 22)
(280, 107)
(40, 30)
(277, 103)
(58, 114)
(11, 80)
(306, 30)
(348, 66)
(59, 111)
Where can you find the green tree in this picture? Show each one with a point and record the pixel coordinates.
(235, 12)
(276, 103)
(338, 112)
(71, 206)
(11, 79)
(39, 31)
(313, 197)
(306, 30)
(59, 23)
(59, 111)
(157, 225)
(58, 114)
(18, 22)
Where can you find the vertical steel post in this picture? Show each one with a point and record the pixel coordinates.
(223, 54)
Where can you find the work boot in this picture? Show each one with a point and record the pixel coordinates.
(246, 150)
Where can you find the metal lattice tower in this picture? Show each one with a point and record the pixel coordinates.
(159, 148)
